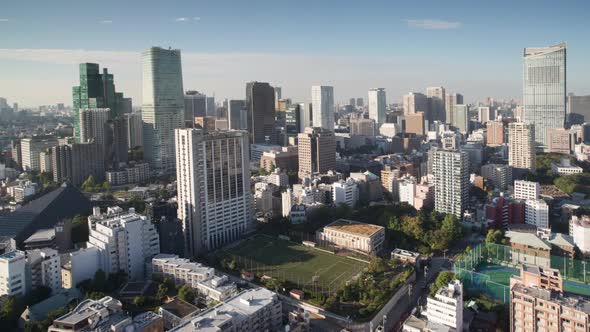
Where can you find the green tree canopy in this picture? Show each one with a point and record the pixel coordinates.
(186, 293)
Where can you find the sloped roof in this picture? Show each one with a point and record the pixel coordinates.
(529, 239)
(43, 212)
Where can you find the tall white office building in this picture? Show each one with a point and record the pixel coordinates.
(451, 181)
(544, 90)
(125, 239)
(163, 106)
(134, 129)
(377, 106)
(322, 105)
(461, 118)
(536, 212)
(213, 181)
(450, 101)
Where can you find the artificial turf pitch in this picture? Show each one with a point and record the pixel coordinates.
(293, 262)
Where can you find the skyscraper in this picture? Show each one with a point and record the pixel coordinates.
(92, 125)
(415, 102)
(377, 106)
(521, 146)
(163, 106)
(544, 90)
(134, 128)
(436, 96)
(461, 118)
(76, 162)
(450, 101)
(322, 106)
(451, 181)
(97, 90)
(260, 103)
(317, 151)
(213, 179)
(236, 110)
(195, 105)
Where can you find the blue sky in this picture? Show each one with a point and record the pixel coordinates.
(472, 47)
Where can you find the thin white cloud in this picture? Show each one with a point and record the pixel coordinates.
(182, 19)
(106, 22)
(431, 24)
(196, 18)
(4, 20)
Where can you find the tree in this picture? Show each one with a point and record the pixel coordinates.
(444, 278)
(186, 293)
(100, 280)
(139, 301)
(450, 225)
(106, 186)
(89, 184)
(494, 236)
(10, 309)
(378, 265)
(79, 229)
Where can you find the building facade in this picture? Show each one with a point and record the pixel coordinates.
(544, 90)
(316, 152)
(322, 106)
(377, 105)
(260, 105)
(521, 146)
(213, 180)
(162, 110)
(451, 181)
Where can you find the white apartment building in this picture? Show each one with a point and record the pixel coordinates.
(322, 101)
(286, 202)
(278, 178)
(451, 181)
(377, 105)
(22, 190)
(446, 307)
(45, 268)
(407, 189)
(536, 212)
(356, 236)
(346, 192)
(251, 310)
(198, 276)
(136, 173)
(263, 199)
(13, 273)
(580, 231)
(80, 265)
(213, 180)
(126, 240)
(526, 189)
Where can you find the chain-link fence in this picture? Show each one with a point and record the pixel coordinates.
(487, 268)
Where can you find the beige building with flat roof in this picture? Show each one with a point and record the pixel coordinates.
(353, 235)
(317, 151)
(521, 146)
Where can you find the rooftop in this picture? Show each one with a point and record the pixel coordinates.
(41, 235)
(238, 307)
(179, 308)
(569, 300)
(354, 227)
(528, 239)
(64, 297)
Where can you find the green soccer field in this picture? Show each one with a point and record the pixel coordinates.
(293, 262)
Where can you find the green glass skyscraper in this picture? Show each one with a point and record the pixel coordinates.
(97, 90)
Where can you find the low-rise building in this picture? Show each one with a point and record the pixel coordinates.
(199, 277)
(286, 159)
(446, 307)
(175, 311)
(353, 235)
(500, 176)
(565, 167)
(20, 191)
(580, 230)
(406, 256)
(126, 240)
(105, 314)
(251, 310)
(345, 192)
(528, 248)
(135, 173)
(45, 269)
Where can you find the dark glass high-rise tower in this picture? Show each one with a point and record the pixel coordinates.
(97, 90)
(260, 103)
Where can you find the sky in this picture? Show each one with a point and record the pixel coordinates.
(471, 47)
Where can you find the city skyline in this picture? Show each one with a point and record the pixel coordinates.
(458, 47)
